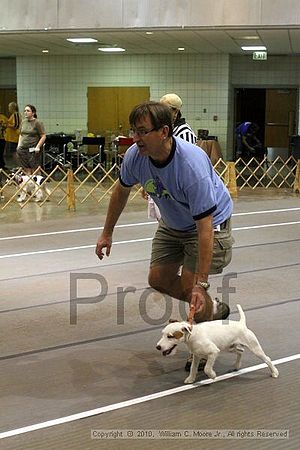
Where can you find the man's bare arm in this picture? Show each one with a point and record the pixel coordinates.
(117, 203)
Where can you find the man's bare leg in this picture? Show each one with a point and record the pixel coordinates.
(165, 279)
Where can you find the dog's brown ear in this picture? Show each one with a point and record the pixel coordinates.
(178, 335)
(173, 320)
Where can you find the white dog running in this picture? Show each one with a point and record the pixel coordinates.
(32, 185)
(207, 339)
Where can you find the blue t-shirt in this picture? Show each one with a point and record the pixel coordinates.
(242, 129)
(185, 187)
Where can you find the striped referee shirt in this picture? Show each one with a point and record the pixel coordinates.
(184, 131)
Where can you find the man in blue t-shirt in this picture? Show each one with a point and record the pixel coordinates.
(248, 144)
(194, 231)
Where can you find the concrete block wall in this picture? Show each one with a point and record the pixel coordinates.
(57, 86)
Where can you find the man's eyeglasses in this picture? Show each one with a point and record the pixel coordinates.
(142, 133)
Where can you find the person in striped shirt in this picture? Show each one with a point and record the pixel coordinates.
(181, 128)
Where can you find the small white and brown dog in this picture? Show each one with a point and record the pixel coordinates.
(207, 339)
(34, 185)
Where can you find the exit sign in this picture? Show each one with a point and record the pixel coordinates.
(260, 56)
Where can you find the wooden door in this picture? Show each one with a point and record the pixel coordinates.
(109, 108)
(280, 117)
(128, 98)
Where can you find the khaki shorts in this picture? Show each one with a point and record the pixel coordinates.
(171, 246)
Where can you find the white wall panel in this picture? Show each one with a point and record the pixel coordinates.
(90, 14)
(29, 14)
(276, 12)
(112, 14)
(155, 13)
(224, 12)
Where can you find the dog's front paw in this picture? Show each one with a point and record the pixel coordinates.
(210, 373)
(189, 380)
(275, 373)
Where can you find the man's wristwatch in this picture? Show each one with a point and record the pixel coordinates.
(204, 284)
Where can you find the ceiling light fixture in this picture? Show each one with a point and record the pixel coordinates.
(149, 32)
(181, 49)
(111, 49)
(247, 37)
(252, 48)
(45, 51)
(82, 40)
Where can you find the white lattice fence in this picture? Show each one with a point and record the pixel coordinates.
(70, 188)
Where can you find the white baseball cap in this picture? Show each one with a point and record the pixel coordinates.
(172, 100)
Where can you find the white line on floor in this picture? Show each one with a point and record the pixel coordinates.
(138, 224)
(267, 211)
(269, 225)
(135, 401)
(78, 230)
(131, 241)
(66, 249)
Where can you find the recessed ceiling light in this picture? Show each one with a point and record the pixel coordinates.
(82, 40)
(111, 49)
(45, 51)
(253, 47)
(149, 32)
(246, 37)
(181, 49)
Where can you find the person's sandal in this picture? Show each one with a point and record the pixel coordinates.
(223, 310)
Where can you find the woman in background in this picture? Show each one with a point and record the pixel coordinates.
(31, 140)
(12, 133)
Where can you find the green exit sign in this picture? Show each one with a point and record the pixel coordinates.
(260, 56)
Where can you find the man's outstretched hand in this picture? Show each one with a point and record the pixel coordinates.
(102, 243)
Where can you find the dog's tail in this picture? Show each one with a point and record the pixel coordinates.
(242, 315)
